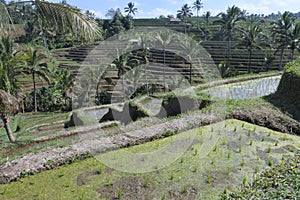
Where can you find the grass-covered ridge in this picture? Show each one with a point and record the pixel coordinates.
(237, 151)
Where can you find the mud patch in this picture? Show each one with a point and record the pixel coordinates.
(128, 188)
(189, 193)
(83, 179)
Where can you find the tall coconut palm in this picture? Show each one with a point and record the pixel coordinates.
(197, 5)
(130, 9)
(144, 54)
(281, 33)
(207, 16)
(8, 107)
(163, 38)
(34, 64)
(251, 37)
(54, 15)
(228, 22)
(184, 13)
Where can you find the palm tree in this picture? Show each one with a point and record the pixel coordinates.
(190, 51)
(251, 38)
(197, 5)
(144, 54)
(281, 31)
(130, 9)
(294, 38)
(54, 15)
(207, 16)
(184, 13)
(36, 66)
(228, 22)
(8, 107)
(9, 68)
(164, 38)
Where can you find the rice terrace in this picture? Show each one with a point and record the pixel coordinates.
(125, 101)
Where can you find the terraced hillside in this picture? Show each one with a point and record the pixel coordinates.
(79, 58)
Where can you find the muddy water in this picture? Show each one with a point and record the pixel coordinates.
(247, 89)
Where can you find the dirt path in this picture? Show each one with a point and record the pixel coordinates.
(91, 143)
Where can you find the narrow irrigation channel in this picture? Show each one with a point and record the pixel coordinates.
(246, 89)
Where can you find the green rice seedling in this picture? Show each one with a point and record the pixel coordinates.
(282, 157)
(108, 183)
(270, 162)
(254, 129)
(229, 155)
(243, 124)
(101, 169)
(181, 160)
(212, 129)
(184, 189)
(146, 182)
(228, 170)
(243, 162)
(208, 178)
(225, 125)
(263, 139)
(211, 137)
(240, 137)
(195, 168)
(215, 148)
(269, 133)
(224, 141)
(269, 149)
(249, 133)
(234, 130)
(195, 152)
(213, 161)
(251, 142)
(256, 169)
(225, 191)
(244, 180)
(120, 192)
(171, 176)
(240, 149)
(276, 143)
(163, 197)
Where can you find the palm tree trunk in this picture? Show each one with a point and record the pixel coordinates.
(123, 85)
(229, 49)
(164, 70)
(281, 58)
(249, 61)
(146, 77)
(197, 19)
(34, 92)
(292, 54)
(185, 26)
(7, 128)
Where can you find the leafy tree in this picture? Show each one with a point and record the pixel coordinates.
(130, 9)
(184, 13)
(197, 5)
(282, 31)
(55, 15)
(36, 66)
(8, 107)
(251, 38)
(228, 22)
(117, 24)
